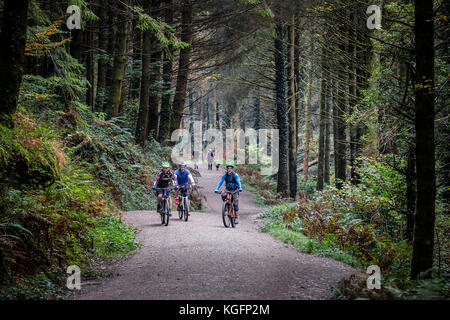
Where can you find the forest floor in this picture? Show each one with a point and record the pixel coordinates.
(201, 259)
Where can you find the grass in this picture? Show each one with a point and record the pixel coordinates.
(304, 244)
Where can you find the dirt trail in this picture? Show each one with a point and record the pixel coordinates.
(201, 259)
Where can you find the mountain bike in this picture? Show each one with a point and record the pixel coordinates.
(165, 205)
(228, 213)
(183, 203)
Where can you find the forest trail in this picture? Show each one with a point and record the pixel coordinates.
(201, 259)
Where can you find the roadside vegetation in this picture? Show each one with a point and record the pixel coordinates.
(361, 225)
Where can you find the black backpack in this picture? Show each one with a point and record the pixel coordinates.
(233, 178)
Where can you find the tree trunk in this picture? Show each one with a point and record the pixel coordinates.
(155, 79)
(142, 122)
(326, 158)
(292, 114)
(282, 121)
(165, 114)
(410, 194)
(102, 65)
(120, 59)
(422, 257)
(183, 68)
(13, 38)
(339, 121)
(323, 102)
(90, 64)
(352, 100)
(307, 138)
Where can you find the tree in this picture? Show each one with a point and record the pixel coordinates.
(281, 111)
(143, 114)
(292, 113)
(183, 65)
(165, 114)
(120, 58)
(307, 139)
(423, 241)
(13, 38)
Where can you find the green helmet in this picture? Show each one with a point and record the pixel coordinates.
(229, 165)
(165, 164)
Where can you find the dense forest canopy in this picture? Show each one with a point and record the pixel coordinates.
(362, 111)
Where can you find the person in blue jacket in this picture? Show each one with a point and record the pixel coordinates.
(184, 177)
(232, 183)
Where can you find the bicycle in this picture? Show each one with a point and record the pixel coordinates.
(165, 205)
(228, 213)
(183, 203)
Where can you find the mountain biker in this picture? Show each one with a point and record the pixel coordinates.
(232, 183)
(164, 178)
(184, 178)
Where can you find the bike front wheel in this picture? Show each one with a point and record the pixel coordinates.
(167, 213)
(225, 215)
(163, 212)
(180, 211)
(186, 210)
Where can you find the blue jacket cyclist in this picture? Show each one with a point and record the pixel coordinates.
(184, 178)
(232, 184)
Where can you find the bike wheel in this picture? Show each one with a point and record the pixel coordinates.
(180, 211)
(231, 213)
(225, 215)
(167, 213)
(186, 209)
(163, 212)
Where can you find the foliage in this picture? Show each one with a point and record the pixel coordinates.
(53, 209)
(264, 187)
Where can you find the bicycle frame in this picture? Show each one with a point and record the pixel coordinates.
(229, 200)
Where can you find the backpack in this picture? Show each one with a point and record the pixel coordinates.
(233, 179)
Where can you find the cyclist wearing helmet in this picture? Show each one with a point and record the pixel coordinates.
(164, 179)
(184, 177)
(232, 183)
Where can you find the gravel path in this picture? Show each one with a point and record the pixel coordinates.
(201, 259)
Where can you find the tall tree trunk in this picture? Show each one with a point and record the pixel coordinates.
(120, 58)
(76, 43)
(155, 79)
(112, 33)
(323, 103)
(410, 194)
(352, 96)
(218, 116)
(258, 110)
(326, 158)
(292, 114)
(339, 121)
(142, 122)
(90, 64)
(423, 242)
(166, 109)
(282, 121)
(102, 61)
(183, 68)
(307, 138)
(13, 38)
(299, 75)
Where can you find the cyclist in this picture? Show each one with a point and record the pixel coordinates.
(164, 178)
(184, 178)
(232, 183)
